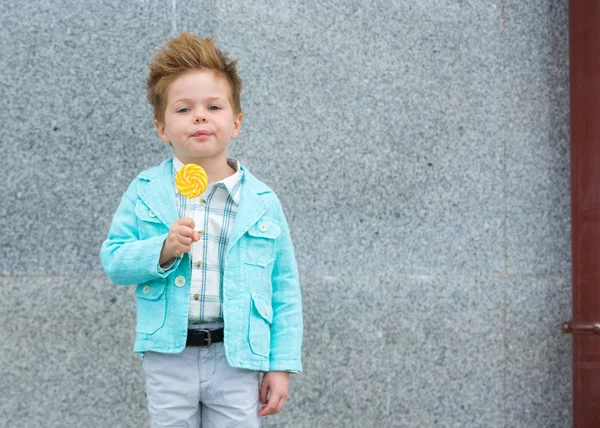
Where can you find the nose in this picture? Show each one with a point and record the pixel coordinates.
(200, 117)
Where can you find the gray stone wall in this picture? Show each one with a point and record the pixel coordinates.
(421, 152)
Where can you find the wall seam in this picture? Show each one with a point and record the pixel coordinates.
(213, 9)
(174, 17)
(366, 275)
(505, 201)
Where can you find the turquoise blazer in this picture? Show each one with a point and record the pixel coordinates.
(262, 307)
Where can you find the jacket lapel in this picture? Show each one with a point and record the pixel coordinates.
(157, 190)
(250, 209)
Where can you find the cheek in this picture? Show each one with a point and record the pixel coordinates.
(174, 128)
(226, 127)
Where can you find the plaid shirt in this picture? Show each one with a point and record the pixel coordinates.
(214, 215)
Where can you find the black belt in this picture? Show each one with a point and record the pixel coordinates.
(204, 338)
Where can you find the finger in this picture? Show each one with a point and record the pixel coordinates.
(184, 240)
(185, 231)
(264, 389)
(182, 247)
(270, 408)
(280, 405)
(196, 236)
(265, 411)
(187, 221)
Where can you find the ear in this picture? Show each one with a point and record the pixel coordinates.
(237, 126)
(162, 131)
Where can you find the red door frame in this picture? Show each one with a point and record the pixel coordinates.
(584, 70)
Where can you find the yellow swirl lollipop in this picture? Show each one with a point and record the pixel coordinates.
(191, 180)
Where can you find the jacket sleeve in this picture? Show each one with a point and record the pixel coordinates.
(126, 258)
(286, 328)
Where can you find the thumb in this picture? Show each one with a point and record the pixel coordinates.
(196, 236)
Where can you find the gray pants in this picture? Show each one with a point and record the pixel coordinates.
(199, 389)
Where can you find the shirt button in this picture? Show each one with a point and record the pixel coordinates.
(267, 310)
(196, 296)
(146, 289)
(262, 227)
(151, 213)
(202, 201)
(200, 232)
(180, 281)
(199, 263)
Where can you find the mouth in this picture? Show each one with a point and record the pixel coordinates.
(200, 134)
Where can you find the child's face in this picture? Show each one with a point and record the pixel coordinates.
(199, 119)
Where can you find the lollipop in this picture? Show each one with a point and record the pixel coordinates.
(191, 180)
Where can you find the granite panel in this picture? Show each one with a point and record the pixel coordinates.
(194, 16)
(399, 352)
(378, 351)
(379, 124)
(537, 132)
(66, 354)
(77, 125)
(538, 373)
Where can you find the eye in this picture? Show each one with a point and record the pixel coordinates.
(183, 110)
(214, 108)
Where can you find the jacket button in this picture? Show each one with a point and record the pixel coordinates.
(146, 289)
(262, 227)
(151, 213)
(180, 281)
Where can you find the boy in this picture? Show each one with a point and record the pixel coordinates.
(218, 295)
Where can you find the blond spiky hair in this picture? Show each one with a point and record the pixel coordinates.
(184, 53)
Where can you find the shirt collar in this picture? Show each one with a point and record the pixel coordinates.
(231, 183)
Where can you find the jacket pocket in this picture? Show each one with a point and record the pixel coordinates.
(260, 242)
(151, 306)
(148, 223)
(261, 316)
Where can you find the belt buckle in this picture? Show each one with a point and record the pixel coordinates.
(208, 339)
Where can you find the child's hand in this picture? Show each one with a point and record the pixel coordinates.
(180, 239)
(277, 384)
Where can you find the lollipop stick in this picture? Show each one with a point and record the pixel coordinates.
(191, 181)
(187, 214)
